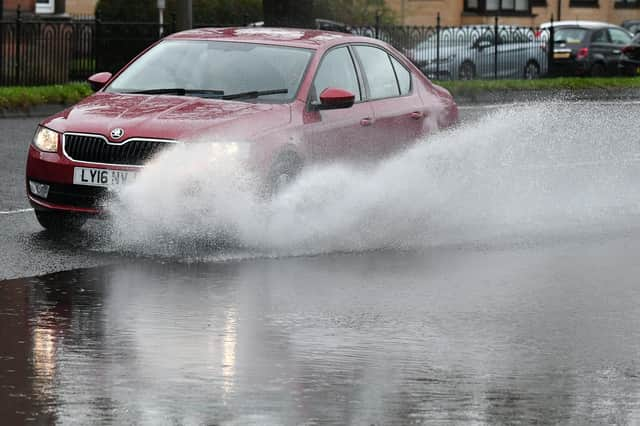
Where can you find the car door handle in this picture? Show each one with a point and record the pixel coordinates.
(616, 51)
(367, 121)
(417, 115)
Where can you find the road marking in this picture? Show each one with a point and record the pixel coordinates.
(16, 211)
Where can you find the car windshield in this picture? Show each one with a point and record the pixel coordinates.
(230, 70)
(569, 35)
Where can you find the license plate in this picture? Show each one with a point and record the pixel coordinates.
(102, 177)
(561, 55)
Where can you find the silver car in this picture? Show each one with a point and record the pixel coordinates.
(470, 52)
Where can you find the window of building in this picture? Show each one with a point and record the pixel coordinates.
(538, 3)
(627, 4)
(492, 7)
(583, 3)
(45, 6)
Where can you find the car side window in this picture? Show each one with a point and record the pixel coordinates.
(600, 37)
(404, 76)
(619, 37)
(337, 70)
(378, 72)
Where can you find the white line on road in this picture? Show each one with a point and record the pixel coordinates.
(16, 211)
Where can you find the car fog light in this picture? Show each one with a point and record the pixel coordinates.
(39, 189)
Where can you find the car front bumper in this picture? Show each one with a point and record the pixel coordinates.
(56, 171)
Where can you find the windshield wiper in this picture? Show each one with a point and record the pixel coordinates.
(255, 94)
(177, 91)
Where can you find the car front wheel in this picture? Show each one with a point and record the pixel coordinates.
(59, 221)
(598, 70)
(531, 71)
(467, 71)
(283, 172)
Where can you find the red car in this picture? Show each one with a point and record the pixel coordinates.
(292, 97)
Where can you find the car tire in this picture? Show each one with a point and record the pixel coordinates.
(283, 172)
(531, 70)
(60, 222)
(598, 70)
(467, 71)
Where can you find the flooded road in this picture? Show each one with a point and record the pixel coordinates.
(488, 277)
(545, 331)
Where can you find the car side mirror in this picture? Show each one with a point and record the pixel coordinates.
(332, 98)
(97, 81)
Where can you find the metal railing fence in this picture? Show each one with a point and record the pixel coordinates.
(34, 51)
(488, 51)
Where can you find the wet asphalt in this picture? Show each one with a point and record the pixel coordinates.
(541, 328)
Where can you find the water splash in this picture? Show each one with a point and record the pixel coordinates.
(542, 167)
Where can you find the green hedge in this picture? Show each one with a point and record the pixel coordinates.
(560, 83)
(16, 98)
(19, 97)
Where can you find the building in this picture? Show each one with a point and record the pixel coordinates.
(517, 12)
(49, 7)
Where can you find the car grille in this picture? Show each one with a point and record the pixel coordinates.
(76, 195)
(94, 149)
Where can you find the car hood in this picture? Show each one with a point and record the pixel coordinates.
(180, 118)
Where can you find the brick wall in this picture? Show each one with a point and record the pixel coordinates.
(28, 6)
(424, 12)
(81, 7)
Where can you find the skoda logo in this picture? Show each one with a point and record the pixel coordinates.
(117, 133)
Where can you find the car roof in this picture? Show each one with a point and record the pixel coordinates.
(294, 37)
(580, 24)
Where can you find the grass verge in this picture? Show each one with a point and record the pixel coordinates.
(22, 98)
(561, 83)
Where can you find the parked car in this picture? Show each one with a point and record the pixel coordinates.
(287, 98)
(468, 52)
(630, 62)
(588, 48)
(632, 25)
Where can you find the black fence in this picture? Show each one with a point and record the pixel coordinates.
(36, 52)
(489, 51)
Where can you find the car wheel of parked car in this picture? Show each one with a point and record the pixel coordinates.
(531, 70)
(467, 71)
(598, 70)
(59, 222)
(283, 172)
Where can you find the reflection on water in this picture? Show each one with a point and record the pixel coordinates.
(540, 333)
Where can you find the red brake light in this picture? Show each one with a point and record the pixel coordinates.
(582, 53)
(627, 49)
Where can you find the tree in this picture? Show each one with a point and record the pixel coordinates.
(288, 13)
(355, 12)
(205, 12)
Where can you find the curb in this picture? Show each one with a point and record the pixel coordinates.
(33, 112)
(530, 96)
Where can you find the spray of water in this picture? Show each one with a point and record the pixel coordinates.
(543, 167)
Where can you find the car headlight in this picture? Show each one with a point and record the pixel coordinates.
(46, 139)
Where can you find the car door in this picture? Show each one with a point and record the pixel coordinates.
(397, 109)
(600, 50)
(484, 54)
(619, 39)
(339, 133)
